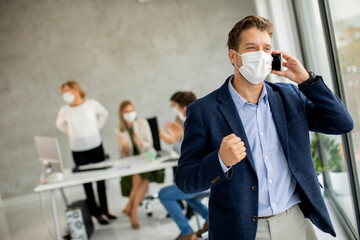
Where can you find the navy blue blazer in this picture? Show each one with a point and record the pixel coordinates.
(233, 203)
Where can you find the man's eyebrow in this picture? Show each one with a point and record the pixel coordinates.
(252, 43)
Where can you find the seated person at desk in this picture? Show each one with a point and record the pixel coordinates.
(170, 195)
(81, 119)
(179, 102)
(133, 137)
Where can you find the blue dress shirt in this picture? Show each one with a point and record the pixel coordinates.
(276, 183)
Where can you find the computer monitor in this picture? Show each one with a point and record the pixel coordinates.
(48, 150)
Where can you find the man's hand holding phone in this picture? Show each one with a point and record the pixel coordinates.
(232, 150)
(295, 70)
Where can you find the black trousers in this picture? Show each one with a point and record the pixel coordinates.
(93, 156)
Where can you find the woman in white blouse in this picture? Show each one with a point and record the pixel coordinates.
(81, 119)
(133, 137)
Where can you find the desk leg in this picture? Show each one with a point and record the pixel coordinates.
(64, 198)
(55, 215)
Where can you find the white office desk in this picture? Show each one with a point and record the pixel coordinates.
(120, 167)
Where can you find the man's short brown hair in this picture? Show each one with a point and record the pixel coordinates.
(251, 21)
(184, 99)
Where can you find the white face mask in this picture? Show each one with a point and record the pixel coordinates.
(68, 97)
(179, 114)
(129, 117)
(256, 66)
(174, 110)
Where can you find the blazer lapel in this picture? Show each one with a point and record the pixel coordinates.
(278, 113)
(229, 111)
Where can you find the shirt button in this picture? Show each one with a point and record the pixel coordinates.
(273, 204)
(254, 218)
(254, 188)
(262, 134)
(266, 157)
(270, 181)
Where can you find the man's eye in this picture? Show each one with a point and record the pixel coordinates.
(251, 48)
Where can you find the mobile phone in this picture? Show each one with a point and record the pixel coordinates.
(277, 61)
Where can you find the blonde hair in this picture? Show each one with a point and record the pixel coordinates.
(75, 86)
(123, 105)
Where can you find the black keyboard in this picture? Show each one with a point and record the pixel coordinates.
(74, 170)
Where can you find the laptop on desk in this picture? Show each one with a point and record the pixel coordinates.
(48, 150)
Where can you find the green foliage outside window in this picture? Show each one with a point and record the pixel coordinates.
(335, 160)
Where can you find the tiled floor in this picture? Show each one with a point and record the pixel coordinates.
(23, 218)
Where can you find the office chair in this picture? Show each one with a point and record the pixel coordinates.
(156, 143)
(155, 132)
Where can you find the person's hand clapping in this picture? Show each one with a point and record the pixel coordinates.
(232, 150)
(295, 70)
(174, 132)
(166, 137)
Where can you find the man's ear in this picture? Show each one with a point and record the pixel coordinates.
(232, 56)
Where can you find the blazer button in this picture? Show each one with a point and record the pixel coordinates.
(254, 218)
(254, 188)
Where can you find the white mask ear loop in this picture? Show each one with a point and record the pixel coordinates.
(239, 56)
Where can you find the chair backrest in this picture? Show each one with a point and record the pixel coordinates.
(155, 132)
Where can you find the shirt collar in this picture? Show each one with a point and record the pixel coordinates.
(239, 100)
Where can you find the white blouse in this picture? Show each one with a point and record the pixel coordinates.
(82, 124)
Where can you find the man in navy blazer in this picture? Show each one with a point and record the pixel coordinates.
(249, 142)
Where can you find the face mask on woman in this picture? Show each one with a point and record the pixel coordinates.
(129, 117)
(256, 66)
(68, 97)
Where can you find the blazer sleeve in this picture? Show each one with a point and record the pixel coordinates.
(118, 134)
(325, 112)
(198, 169)
(145, 135)
(117, 140)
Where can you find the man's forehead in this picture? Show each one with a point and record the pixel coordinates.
(254, 36)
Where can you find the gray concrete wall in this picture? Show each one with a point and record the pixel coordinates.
(116, 49)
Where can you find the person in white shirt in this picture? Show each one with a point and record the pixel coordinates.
(81, 119)
(133, 137)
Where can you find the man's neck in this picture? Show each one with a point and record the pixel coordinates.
(247, 90)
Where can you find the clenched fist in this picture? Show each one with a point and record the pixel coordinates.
(232, 150)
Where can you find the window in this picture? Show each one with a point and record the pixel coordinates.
(345, 24)
(345, 19)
